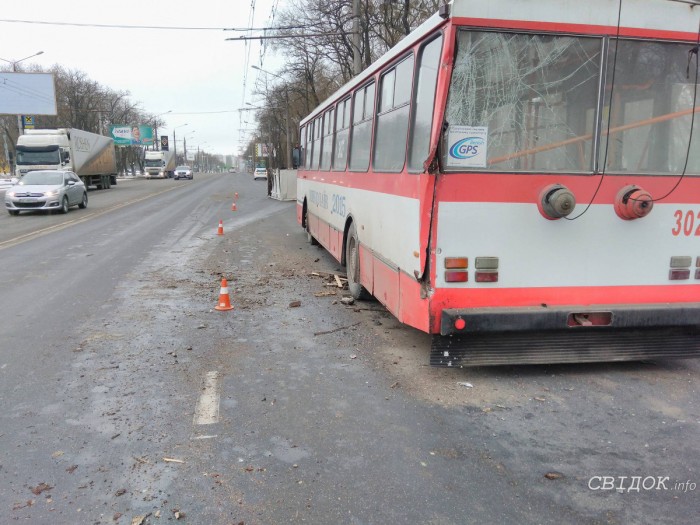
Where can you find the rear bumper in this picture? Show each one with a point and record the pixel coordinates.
(596, 317)
(567, 335)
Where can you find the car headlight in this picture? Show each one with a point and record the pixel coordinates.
(51, 193)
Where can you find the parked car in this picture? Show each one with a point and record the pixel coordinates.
(183, 172)
(46, 190)
(260, 173)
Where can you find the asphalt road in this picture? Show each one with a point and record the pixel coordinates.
(126, 395)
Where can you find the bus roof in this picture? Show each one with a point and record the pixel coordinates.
(677, 16)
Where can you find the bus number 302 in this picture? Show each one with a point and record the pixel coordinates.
(338, 205)
(686, 223)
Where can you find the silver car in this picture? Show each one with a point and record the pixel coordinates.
(183, 172)
(46, 190)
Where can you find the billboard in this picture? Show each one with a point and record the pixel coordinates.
(263, 149)
(131, 135)
(27, 94)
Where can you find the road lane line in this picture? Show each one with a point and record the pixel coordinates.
(64, 225)
(207, 411)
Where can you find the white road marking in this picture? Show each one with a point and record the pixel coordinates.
(207, 411)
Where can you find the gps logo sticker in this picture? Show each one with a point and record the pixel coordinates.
(468, 145)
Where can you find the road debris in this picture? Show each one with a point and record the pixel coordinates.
(41, 487)
(172, 460)
(336, 329)
(465, 384)
(295, 304)
(138, 520)
(347, 300)
(324, 294)
(554, 475)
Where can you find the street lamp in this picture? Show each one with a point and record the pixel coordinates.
(14, 70)
(175, 140)
(286, 100)
(184, 142)
(154, 120)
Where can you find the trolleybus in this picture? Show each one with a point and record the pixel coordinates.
(521, 180)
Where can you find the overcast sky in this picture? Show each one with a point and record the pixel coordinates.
(188, 71)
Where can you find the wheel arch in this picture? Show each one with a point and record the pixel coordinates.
(304, 209)
(349, 220)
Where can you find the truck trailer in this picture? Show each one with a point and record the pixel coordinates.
(159, 164)
(90, 156)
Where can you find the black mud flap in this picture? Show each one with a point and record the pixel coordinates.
(565, 346)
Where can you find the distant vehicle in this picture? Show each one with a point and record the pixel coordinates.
(260, 173)
(232, 170)
(159, 164)
(50, 190)
(90, 156)
(183, 172)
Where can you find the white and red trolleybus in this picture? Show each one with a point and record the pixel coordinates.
(522, 180)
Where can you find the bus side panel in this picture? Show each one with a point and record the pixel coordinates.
(323, 233)
(335, 245)
(313, 225)
(367, 269)
(386, 286)
(413, 309)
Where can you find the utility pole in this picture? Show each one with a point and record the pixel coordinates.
(356, 62)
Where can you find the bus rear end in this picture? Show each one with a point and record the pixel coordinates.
(566, 223)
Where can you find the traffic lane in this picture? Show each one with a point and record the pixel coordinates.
(30, 223)
(84, 383)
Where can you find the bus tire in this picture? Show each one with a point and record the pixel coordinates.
(309, 238)
(352, 265)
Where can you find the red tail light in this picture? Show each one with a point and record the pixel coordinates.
(679, 275)
(456, 277)
(486, 276)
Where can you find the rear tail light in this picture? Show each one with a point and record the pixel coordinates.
(486, 263)
(456, 276)
(679, 275)
(486, 276)
(681, 262)
(680, 268)
(452, 263)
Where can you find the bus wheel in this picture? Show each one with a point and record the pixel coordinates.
(309, 238)
(352, 262)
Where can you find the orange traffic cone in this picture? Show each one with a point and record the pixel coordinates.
(233, 207)
(221, 228)
(235, 196)
(224, 300)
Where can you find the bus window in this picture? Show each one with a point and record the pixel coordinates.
(316, 154)
(424, 105)
(652, 109)
(309, 143)
(362, 128)
(327, 150)
(341, 135)
(392, 120)
(528, 98)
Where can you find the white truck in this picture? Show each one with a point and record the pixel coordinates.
(90, 156)
(159, 164)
